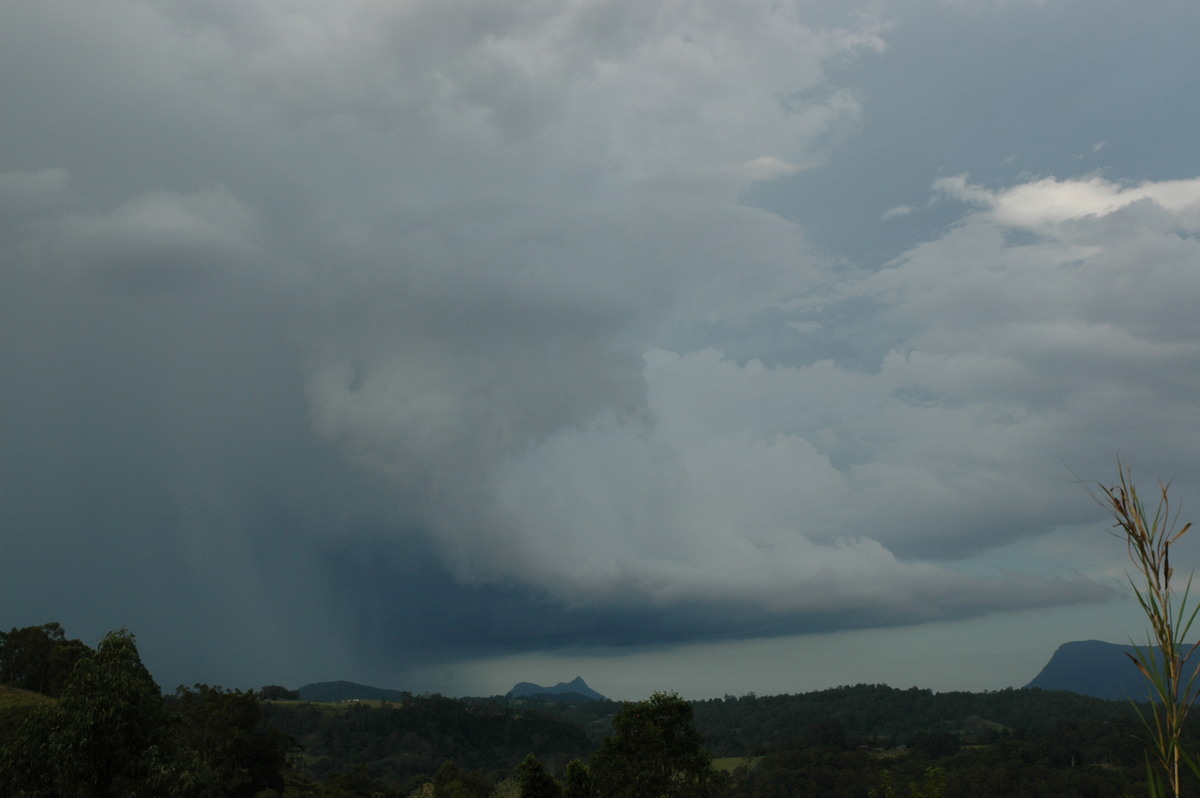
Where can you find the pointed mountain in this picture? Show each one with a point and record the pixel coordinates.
(575, 689)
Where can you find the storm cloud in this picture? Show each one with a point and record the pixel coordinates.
(338, 340)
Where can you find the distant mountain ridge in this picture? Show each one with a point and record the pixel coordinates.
(333, 692)
(1087, 667)
(330, 692)
(1094, 668)
(575, 687)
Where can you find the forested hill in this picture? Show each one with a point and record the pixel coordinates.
(491, 735)
(869, 714)
(328, 692)
(104, 721)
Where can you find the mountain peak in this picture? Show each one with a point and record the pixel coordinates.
(575, 687)
(1095, 668)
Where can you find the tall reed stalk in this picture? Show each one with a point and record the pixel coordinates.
(1165, 660)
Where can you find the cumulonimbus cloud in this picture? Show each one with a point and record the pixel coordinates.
(488, 285)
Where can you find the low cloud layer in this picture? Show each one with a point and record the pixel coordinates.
(439, 330)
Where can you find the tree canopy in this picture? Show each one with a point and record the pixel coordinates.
(654, 751)
(110, 733)
(105, 736)
(39, 658)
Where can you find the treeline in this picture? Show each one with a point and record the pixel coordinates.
(875, 715)
(77, 721)
(850, 741)
(404, 743)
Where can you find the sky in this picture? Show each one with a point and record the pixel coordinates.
(713, 347)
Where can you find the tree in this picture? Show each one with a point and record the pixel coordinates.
(273, 692)
(577, 781)
(110, 735)
(106, 736)
(534, 782)
(39, 658)
(221, 736)
(655, 751)
(933, 785)
(826, 734)
(451, 781)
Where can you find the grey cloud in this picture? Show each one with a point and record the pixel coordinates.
(30, 192)
(496, 619)
(334, 322)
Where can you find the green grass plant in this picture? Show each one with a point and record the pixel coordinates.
(1166, 661)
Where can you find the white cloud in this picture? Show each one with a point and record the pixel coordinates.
(1016, 355)
(897, 211)
(1047, 202)
(732, 492)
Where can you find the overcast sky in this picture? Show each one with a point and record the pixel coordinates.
(708, 346)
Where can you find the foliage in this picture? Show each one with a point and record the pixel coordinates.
(577, 782)
(1166, 660)
(407, 742)
(103, 737)
(808, 772)
(228, 743)
(655, 751)
(451, 781)
(39, 658)
(932, 785)
(1070, 761)
(836, 742)
(338, 785)
(534, 782)
(273, 692)
(874, 714)
(110, 734)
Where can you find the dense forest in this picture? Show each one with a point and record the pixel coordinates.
(79, 721)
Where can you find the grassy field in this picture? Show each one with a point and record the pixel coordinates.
(331, 706)
(13, 699)
(728, 764)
